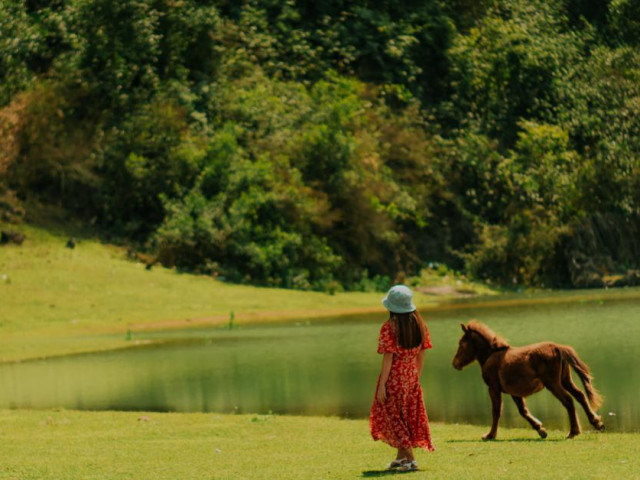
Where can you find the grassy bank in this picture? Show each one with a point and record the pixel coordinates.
(111, 445)
(57, 300)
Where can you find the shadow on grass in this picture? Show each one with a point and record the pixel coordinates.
(384, 473)
(508, 440)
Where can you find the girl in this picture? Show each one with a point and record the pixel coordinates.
(398, 416)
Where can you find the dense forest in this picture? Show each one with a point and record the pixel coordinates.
(333, 144)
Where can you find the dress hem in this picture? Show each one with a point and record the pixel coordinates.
(424, 444)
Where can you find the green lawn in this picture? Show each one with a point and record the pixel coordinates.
(69, 445)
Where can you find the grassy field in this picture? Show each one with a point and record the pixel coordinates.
(56, 300)
(74, 445)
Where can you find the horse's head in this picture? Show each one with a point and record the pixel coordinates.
(478, 342)
(466, 351)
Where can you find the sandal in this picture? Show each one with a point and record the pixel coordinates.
(408, 466)
(396, 464)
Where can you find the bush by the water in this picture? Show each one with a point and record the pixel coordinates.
(333, 145)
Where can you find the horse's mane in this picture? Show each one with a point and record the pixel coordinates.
(495, 341)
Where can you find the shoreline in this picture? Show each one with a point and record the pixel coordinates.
(111, 338)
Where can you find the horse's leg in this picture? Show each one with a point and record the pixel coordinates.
(572, 388)
(524, 411)
(496, 411)
(565, 397)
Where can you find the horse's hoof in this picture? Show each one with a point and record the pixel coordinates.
(572, 434)
(598, 424)
(488, 437)
(542, 432)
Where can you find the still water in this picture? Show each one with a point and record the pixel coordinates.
(330, 367)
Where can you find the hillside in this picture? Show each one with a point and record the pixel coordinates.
(336, 145)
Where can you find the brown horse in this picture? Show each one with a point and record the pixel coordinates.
(522, 371)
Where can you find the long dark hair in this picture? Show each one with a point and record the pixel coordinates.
(409, 328)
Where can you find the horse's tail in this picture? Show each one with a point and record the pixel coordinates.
(581, 368)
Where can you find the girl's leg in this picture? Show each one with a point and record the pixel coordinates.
(409, 454)
(405, 454)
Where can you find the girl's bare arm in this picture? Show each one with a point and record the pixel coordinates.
(381, 394)
(420, 362)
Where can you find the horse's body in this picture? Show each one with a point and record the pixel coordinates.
(523, 371)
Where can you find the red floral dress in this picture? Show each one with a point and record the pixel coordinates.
(401, 421)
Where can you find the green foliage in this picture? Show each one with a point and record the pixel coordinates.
(118, 49)
(255, 230)
(151, 155)
(601, 114)
(287, 195)
(518, 205)
(546, 170)
(331, 145)
(28, 43)
(625, 21)
(511, 66)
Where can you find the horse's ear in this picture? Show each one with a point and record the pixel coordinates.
(464, 327)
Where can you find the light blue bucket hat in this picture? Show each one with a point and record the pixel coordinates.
(398, 299)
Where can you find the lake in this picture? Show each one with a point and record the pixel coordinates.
(330, 367)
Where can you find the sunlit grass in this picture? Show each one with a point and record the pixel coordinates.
(56, 300)
(94, 284)
(124, 445)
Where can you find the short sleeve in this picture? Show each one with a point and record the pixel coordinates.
(386, 340)
(426, 341)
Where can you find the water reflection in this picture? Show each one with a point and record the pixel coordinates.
(331, 368)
